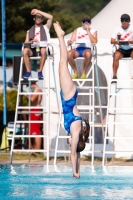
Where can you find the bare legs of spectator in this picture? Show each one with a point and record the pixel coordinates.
(117, 57)
(27, 53)
(72, 54)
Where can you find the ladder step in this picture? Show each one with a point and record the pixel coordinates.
(117, 123)
(85, 88)
(29, 150)
(31, 107)
(32, 93)
(120, 113)
(82, 107)
(29, 136)
(91, 87)
(29, 112)
(83, 80)
(119, 137)
(86, 112)
(35, 57)
(114, 152)
(32, 79)
(97, 106)
(99, 124)
(62, 136)
(88, 151)
(119, 80)
(121, 94)
(111, 108)
(68, 151)
(85, 94)
(31, 122)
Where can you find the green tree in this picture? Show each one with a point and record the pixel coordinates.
(18, 18)
(68, 12)
(11, 98)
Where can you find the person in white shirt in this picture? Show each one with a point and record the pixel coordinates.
(121, 34)
(84, 37)
(38, 34)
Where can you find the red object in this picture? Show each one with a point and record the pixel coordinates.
(35, 127)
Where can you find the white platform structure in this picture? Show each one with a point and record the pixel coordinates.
(104, 22)
(44, 109)
(88, 89)
(119, 114)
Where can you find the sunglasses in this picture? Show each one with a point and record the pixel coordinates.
(37, 17)
(86, 21)
(124, 20)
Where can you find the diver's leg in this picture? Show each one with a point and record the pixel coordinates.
(67, 85)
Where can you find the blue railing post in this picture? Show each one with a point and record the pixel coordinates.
(4, 59)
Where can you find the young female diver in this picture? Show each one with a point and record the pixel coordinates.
(72, 118)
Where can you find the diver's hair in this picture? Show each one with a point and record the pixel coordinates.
(85, 129)
(84, 134)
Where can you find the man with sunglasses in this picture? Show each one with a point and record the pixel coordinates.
(121, 34)
(38, 35)
(83, 37)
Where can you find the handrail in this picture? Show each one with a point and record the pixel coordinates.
(48, 53)
(94, 51)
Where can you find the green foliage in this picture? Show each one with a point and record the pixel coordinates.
(68, 12)
(11, 97)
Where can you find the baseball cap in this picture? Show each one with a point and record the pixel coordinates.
(125, 16)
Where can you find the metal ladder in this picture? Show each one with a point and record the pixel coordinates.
(84, 109)
(112, 116)
(46, 109)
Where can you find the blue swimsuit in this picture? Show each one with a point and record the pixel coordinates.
(67, 106)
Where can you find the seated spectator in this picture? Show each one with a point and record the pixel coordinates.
(84, 37)
(38, 33)
(122, 33)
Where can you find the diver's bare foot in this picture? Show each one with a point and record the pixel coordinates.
(58, 29)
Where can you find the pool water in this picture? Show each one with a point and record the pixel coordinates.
(29, 182)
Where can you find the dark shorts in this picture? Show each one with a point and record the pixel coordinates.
(125, 53)
(80, 50)
(33, 52)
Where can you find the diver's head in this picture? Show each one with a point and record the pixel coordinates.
(84, 134)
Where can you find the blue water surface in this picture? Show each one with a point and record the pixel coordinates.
(31, 182)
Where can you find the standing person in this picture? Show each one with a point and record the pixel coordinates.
(38, 33)
(35, 115)
(84, 37)
(72, 118)
(122, 33)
